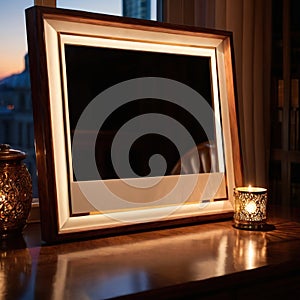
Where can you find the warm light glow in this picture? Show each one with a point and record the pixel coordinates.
(250, 254)
(251, 189)
(250, 207)
(2, 197)
(2, 282)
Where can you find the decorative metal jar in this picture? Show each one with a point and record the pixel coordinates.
(250, 208)
(15, 191)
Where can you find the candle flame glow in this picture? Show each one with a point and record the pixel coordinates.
(250, 207)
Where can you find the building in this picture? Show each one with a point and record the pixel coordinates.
(137, 9)
(16, 120)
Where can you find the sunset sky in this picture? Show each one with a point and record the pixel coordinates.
(13, 44)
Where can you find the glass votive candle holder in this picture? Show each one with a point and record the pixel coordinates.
(250, 207)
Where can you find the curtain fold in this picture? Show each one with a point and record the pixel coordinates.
(250, 22)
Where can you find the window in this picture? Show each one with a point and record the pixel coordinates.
(16, 120)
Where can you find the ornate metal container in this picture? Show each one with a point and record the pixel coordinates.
(250, 207)
(15, 191)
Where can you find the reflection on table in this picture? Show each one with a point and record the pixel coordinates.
(205, 259)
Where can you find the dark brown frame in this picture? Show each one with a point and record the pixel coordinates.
(42, 118)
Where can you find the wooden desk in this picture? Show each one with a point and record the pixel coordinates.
(207, 261)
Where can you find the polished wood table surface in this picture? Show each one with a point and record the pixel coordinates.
(203, 261)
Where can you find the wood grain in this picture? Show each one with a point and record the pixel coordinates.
(206, 261)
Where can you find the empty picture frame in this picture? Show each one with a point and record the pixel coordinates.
(135, 123)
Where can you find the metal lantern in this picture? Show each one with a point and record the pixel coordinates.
(250, 207)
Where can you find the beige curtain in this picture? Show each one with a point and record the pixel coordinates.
(250, 22)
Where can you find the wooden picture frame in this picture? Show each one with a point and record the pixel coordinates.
(63, 45)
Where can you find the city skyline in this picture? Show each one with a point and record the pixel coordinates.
(13, 30)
